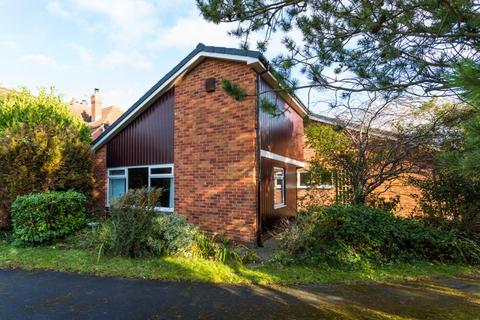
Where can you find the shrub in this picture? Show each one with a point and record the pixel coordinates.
(43, 147)
(135, 229)
(127, 231)
(450, 201)
(171, 234)
(357, 235)
(42, 217)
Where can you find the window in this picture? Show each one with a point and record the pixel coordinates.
(160, 176)
(304, 179)
(279, 187)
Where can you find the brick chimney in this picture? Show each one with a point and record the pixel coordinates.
(96, 104)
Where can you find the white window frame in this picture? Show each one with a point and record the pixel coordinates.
(150, 176)
(321, 186)
(284, 189)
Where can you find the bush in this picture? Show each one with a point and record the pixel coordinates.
(135, 229)
(42, 217)
(450, 201)
(357, 235)
(171, 234)
(43, 147)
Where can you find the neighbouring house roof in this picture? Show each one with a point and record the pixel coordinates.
(252, 58)
(80, 109)
(83, 110)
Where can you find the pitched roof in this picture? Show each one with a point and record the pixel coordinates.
(84, 111)
(253, 58)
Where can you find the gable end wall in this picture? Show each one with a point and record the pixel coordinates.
(214, 151)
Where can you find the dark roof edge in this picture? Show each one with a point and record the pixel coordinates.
(199, 48)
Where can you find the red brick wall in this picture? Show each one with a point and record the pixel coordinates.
(214, 151)
(99, 194)
(399, 187)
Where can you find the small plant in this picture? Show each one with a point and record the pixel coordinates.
(42, 217)
(214, 248)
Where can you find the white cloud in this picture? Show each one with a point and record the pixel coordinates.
(84, 53)
(40, 59)
(189, 31)
(125, 21)
(132, 58)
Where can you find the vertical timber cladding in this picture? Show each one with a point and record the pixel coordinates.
(281, 134)
(146, 140)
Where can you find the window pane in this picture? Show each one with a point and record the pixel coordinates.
(304, 179)
(137, 178)
(279, 186)
(161, 170)
(165, 185)
(116, 188)
(119, 172)
(326, 178)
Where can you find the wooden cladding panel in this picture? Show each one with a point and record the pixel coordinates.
(146, 140)
(281, 134)
(270, 215)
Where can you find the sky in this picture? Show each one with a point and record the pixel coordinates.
(122, 47)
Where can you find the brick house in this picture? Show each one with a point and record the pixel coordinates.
(95, 116)
(226, 165)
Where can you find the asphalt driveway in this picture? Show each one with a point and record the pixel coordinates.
(54, 295)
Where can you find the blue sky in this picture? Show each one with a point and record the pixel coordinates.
(120, 46)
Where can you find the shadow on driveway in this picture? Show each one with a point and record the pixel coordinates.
(55, 295)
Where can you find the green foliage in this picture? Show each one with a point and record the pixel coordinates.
(358, 236)
(216, 249)
(186, 269)
(42, 217)
(451, 196)
(42, 147)
(268, 106)
(171, 235)
(332, 148)
(389, 46)
(131, 218)
(233, 90)
(466, 78)
(469, 158)
(19, 108)
(135, 229)
(451, 201)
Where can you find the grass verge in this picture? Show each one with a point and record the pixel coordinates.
(183, 269)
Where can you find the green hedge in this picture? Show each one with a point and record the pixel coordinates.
(42, 217)
(355, 235)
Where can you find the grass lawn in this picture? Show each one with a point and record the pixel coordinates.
(183, 269)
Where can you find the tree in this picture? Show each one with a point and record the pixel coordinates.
(388, 46)
(42, 147)
(371, 158)
(452, 196)
(467, 79)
